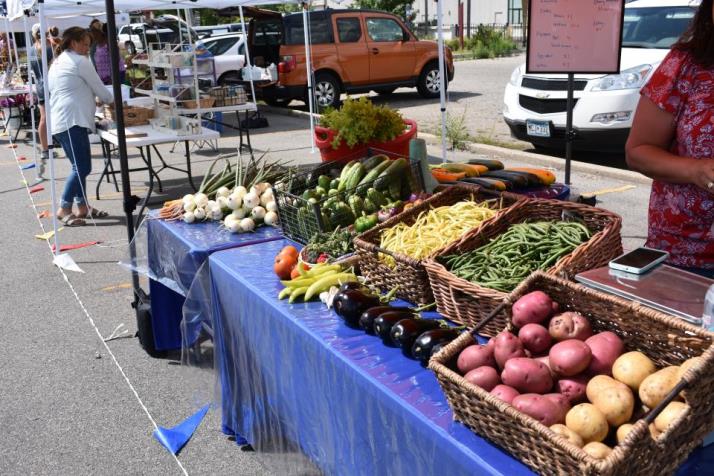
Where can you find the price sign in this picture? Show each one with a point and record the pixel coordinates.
(575, 36)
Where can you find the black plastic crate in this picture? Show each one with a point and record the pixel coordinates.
(301, 217)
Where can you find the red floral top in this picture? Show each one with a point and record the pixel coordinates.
(681, 216)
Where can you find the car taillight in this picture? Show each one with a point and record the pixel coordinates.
(287, 64)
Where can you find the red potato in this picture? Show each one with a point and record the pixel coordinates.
(569, 325)
(574, 388)
(485, 377)
(569, 358)
(505, 393)
(546, 361)
(605, 347)
(562, 402)
(535, 338)
(507, 346)
(527, 375)
(538, 407)
(475, 356)
(534, 307)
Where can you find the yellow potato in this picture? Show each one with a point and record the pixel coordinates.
(597, 450)
(632, 368)
(588, 422)
(654, 431)
(688, 364)
(623, 431)
(599, 383)
(616, 402)
(654, 388)
(568, 434)
(669, 415)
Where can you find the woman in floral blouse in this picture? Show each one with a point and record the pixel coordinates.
(672, 141)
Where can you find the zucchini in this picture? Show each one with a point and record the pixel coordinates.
(393, 172)
(374, 173)
(395, 188)
(546, 177)
(520, 179)
(374, 161)
(471, 170)
(491, 164)
(489, 183)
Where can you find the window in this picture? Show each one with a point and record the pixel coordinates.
(123, 30)
(385, 29)
(268, 32)
(320, 30)
(349, 30)
(219, 47)
(657, 27)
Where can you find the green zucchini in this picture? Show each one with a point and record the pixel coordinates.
(374, 173)
(391, 173)
(491, 164)
(374, 161)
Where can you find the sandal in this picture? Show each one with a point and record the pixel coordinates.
(94, 213)
(72, 220)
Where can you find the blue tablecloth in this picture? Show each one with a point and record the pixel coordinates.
(176, 251)
(296, 374)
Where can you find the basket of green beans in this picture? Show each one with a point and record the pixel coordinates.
(472, 277)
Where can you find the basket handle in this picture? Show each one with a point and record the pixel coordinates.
(682, 385)
(399, 256)
(488, 318)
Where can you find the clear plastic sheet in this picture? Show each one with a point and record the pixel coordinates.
(171, 252)
(295, 378)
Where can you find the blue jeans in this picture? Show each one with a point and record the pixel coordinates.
(75, 143)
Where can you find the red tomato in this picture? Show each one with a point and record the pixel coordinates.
(290, 251)
(284, 266)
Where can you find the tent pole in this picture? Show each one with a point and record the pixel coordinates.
(247, 57)
(13, 43)
(28, 42)
(48, 123)
(442, 75)
(308, 72)
(129, 201)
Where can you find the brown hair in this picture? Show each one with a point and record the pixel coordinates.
(74, 33)
(698, 40)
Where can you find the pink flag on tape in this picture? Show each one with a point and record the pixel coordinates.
(64, 248)
(37, 188)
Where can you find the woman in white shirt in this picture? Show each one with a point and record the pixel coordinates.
(74, 85)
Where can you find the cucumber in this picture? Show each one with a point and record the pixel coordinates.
(357, 205)
(374, 173)
(374, 161)
(391, 173)
(334, 184)
(324, 181)
(346, 171)
(353, 179)
(376, 197)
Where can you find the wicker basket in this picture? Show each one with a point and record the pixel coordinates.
(409, 274)
(133, 116)
(467, 303)
(664, 339)
(203, 103)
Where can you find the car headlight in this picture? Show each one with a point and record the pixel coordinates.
(516, 76)
(633, 78)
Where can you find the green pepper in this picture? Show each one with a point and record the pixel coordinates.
(364, 223)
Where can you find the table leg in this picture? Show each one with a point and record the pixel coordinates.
(106, 152)
(113, 174)
(247, 135)
(147, 159)
(188, 166)
(152, 172)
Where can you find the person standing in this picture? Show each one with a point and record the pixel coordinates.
(74, 85)
(672, 142)
(35, 53)
(100, 56)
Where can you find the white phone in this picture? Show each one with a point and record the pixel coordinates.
(639, 261)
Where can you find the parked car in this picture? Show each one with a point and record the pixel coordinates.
(136, 37)
(535, 104)
(205, 32)
(228, 55)
(353, 51)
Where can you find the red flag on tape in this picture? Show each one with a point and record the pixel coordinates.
(37, 188)
(64, 248)
(22, 157)
(43, 214)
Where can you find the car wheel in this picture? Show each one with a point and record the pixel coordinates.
(231, 77)
(429, 81)
(130, 47)
(326, 91)
(384, 91)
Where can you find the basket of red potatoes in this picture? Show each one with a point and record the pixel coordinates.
(582, 382)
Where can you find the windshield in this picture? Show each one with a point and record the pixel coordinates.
(658, 27)
(219, 46)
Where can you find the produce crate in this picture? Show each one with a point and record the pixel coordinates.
(300, 219)
(409, 274)
(664, 339)
(133, 116)
(467, 303)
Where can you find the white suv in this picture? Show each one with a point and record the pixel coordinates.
(535, 104)
(228, 56)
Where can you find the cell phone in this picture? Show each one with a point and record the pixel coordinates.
(639, 261)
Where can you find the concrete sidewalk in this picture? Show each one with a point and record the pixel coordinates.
(72, 405)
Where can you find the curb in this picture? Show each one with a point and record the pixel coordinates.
(503, 152)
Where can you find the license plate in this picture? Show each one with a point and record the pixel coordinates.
(538, 128)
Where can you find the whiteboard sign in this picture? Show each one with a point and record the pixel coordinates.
(574, 36)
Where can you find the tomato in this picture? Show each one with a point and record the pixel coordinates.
(290, 251)
(283, 266)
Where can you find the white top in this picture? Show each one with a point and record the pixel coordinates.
(74, 83)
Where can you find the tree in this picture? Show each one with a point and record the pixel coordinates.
(397, 7)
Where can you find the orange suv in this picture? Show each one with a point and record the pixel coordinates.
(353, 51)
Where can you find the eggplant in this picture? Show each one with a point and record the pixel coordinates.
(350, 305)
(366, 320)
(406, 331)
(352, 285)
(384, 322)
(423, 345)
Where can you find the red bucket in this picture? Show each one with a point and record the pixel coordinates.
(399, 146)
